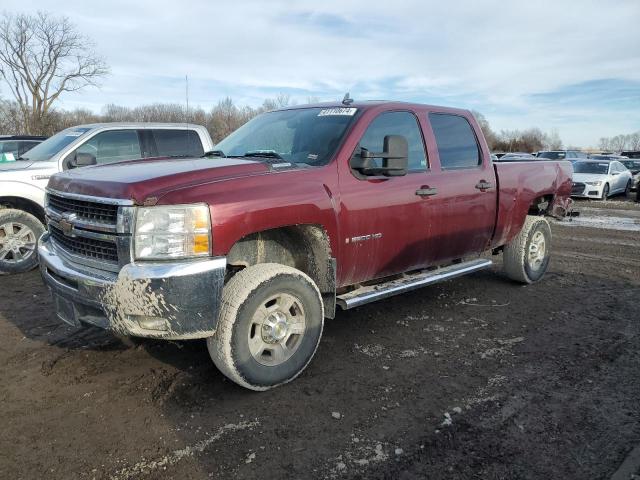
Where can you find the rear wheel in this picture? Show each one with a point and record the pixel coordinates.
(19, 234)
(526, 257)
(605, 192)
(269, 326)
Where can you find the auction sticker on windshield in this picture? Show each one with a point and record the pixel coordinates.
(349, 112)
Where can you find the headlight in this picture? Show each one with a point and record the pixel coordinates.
(172, 231)
(595, 184)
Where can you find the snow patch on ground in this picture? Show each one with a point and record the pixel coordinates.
(627, 224)
(502, 348)
(148, 466)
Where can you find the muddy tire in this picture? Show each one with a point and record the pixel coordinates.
(526, 257)
(19, 235)
(269, 327)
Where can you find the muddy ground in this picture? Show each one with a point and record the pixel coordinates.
(474, 378)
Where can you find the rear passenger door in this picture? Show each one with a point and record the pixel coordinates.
(463, 210)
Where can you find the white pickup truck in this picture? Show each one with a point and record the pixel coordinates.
(23, 182)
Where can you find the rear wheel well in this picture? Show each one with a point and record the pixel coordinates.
(25, 205)
(541, 205)
(304, 247)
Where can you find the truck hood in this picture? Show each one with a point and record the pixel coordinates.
(589, 177)
(138, 180)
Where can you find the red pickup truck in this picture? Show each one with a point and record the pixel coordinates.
(299, 211)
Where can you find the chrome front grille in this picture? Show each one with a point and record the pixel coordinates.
(91, 231)
(101, 250)
(85, 210)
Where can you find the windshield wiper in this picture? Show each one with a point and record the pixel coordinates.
(264, 153)
(214, 153)
(22, 158)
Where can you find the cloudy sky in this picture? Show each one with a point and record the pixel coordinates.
(570, 65)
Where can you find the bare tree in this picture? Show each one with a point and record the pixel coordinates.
(552, 141)
(488, 133)
(618, 143)
(41, 57)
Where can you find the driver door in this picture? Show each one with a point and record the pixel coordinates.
(384, 221)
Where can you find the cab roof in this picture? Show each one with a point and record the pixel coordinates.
(364, 105)
(138, 125)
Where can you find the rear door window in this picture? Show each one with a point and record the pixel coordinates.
(113, 146)
(457, 144)
(178, 143)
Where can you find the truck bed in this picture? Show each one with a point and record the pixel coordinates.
(520, 184)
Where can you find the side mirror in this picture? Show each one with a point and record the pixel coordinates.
(82, 160)
(395, 158)
(615, 173)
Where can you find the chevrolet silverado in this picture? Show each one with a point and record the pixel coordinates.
(299, 211)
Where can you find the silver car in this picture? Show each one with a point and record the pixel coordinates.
(600, 178)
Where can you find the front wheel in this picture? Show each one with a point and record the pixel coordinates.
(19, 234)
(526, 257)
(269, 326)
(627, 190)
(605, 192)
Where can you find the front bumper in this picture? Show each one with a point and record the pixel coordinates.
(170, 300)
(589, 191)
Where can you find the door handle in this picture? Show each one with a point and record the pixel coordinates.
(426, 191)
(483, 185)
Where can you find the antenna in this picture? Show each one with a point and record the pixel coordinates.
(347, 100)
(186, 81)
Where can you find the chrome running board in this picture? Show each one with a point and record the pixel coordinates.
(408, 282)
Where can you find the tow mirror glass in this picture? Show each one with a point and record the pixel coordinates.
(395, 158)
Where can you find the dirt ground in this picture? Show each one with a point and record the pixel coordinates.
(473, 378)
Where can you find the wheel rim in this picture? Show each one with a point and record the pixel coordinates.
(537, 251)
(277, 329)
(17, 242)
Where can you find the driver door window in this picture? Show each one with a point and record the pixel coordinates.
(396, 123)
(113, 146)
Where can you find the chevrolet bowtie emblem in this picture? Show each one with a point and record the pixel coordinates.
(66, 224)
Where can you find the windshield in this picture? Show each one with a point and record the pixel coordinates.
(47, 149)
(306, 136)
(552, 155)
(591, 167)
